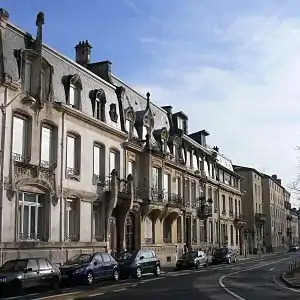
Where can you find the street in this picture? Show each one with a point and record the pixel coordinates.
(250, 279)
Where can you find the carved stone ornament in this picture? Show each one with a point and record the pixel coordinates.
(35, 176)
(113, 113)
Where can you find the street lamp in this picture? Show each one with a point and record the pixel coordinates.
(28, 101)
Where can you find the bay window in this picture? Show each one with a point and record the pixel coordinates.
(31, 216)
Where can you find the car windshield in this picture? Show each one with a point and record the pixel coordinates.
(126, 255)
(14, 266)
(189, 255)
(79, 259)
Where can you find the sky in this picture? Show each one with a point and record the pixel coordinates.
(232, 66)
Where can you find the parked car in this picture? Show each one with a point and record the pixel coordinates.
(86, 268)
(224, 255)
(293, 248)
(192, 259)
(137, 263)
(20, 274)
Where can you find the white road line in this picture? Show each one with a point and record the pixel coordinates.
(119, 290)
(180, 274)
(95, 295)
(222, 285)
(58, 295)
(285, 287)
(272, 269)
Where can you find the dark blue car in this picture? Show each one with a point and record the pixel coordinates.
(86, 268)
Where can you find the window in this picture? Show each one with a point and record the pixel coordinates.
(98, 258)
(74, 96)
(44, 264)
(188, 158)
(167, 230)
(226, 178)
(105, 257)
(31, 216)
(187, 192)
(70, 221)
(180, 124)
(73, 155)
(195, 162)
(194, 231)
(193, 193)
(32, 264)
(148, 230)
(211, 231)
(129, 127)
(20, 138)
(224, 204)
(167, 182)
(113, 161)
(47, 149)
(131, 168)
(178, 186)
(99, 161)
(155, 177)
(231, 235)
(97, 222)
(216, 200)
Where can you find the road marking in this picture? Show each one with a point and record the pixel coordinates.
(58, 295)
(222, 285)
(95, 295)
(119, 290)
(181, 274)
(285, 287)
(272, 269)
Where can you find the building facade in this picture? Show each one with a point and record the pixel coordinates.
(255, 218)
(88, 164)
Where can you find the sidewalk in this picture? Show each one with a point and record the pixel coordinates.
(171, 267)
(292, 279)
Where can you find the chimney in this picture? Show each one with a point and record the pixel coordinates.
(279, 181)
(83, 53)
(274, 177)
(102, 69)
(216, 148)
(168, 109)
(200, 136)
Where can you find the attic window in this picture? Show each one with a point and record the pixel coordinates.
(98, 100)
(180, 124)
(145, 132)
(73, 87)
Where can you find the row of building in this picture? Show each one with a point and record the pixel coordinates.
(89, 164)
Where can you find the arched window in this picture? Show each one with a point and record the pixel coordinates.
(98, 100)
(73, 87)
(148, 230)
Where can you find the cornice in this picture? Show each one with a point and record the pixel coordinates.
(94, 122)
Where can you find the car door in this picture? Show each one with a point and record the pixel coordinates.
(143, 260)
(31, 274)
(46, 271)
(107, 264)
(98, 266)
(152, 261)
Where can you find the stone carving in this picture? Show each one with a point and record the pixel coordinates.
(113, 113)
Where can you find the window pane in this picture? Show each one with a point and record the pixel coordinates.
(71, 152)
(40, 222)
(127, 125)
(145, 132)
(130, 168)
(155, 179)
(30, 198)
(45, 146)
(112, 161)
(32, 221)
(26, 221)
(166, 182)
(72, 95)
(18, 135)
(96, 160)
(32, 263)
(43, 264)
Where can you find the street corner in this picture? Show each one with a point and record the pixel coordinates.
(291, 281)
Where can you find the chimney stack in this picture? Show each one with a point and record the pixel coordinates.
(83, 53)
(274, 177)
(168, 109)
(216, 148)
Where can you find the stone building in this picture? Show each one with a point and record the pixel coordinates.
(89, 164)
(251, 186)
(274, 207)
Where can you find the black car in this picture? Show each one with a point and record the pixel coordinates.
(20, 274)
(293, 248)
(224, 255)
(192, 259)
(86, 268)
(137, 263)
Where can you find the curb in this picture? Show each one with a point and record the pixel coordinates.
(287, 282)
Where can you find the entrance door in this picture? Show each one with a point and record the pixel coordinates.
(129, 232)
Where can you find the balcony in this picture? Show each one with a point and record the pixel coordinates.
(260, 218)
(157, 195)
(204, 211)
(239, 221)
(174, 199)
(125, 188)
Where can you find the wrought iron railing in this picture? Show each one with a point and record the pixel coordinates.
(18, 157)
(29, 236)
(71, 237)
(73, 171)
(167, 240)
(99, 238)
(149, 240)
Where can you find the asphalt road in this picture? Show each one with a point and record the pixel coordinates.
(256, 279)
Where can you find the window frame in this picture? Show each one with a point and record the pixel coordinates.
(101, 149)
(68, 234)
(74, 173)
(52, 145)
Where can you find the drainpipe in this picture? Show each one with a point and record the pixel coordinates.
(62, 184)
(3, 131)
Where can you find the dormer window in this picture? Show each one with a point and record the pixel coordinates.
(180, 124)
(73, 87)
(98, 100)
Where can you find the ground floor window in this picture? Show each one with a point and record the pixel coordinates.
(98, 230)
(71, 224)
(31, 216)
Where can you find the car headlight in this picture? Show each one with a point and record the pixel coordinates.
(78, 271)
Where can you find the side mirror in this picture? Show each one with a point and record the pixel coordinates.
(28, 270)
(95, 263)
(142, 257)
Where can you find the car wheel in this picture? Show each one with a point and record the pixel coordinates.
(90, 278)
(157, 270)
(138, 273)
(229, 260)
(116, 275)
(55, 283)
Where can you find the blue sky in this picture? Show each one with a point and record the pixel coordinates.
(232, 66)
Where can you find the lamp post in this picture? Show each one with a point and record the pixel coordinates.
(28, 101)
